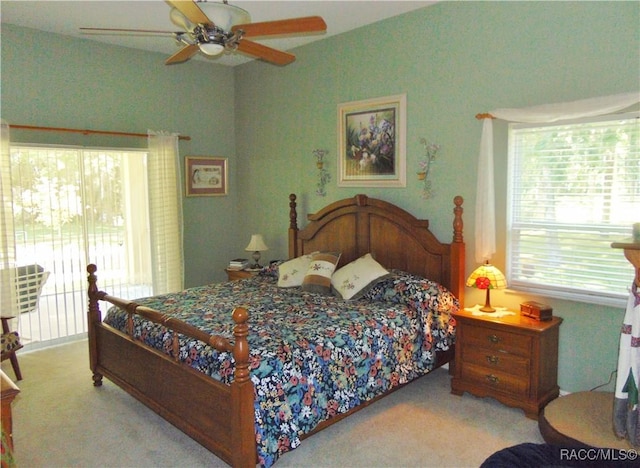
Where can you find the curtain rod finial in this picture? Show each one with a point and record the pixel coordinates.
(485, 115)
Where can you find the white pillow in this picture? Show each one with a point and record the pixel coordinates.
(291, 273)
(351, 281)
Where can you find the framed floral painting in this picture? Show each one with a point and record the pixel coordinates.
(205, 176)
(372, 142)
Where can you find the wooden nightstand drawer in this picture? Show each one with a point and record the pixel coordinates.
(496, 360)
(513, 359)
(498, 340)
(499, 381)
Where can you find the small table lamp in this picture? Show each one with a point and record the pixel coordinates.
(256, 245)
(487, 277)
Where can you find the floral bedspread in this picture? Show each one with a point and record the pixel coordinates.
(312, 356)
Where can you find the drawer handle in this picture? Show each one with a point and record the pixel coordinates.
(494, 338)
(493, 359)
(493, 379)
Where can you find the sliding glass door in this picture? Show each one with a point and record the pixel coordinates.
(74, 206)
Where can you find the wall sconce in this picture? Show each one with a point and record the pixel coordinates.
(430, 150)
(323, 175)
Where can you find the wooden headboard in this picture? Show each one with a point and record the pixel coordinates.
(395, 238)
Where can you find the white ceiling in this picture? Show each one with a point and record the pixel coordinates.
(66, 17)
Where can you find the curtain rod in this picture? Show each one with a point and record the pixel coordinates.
(87, 132)
(484, 116)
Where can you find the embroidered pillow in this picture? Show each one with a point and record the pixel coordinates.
(318, 277)
(353, 280)
(291, 273)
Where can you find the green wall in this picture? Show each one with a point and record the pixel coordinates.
(72, 83)
(453, 60)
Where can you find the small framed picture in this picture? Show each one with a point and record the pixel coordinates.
(371, 142)
(205, 176)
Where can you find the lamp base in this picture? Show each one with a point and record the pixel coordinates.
(256, 259)
(487, 304)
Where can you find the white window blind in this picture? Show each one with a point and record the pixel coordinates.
(574, 188)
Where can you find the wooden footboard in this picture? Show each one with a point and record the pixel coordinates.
(218, 416)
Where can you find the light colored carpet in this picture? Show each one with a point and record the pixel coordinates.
(62, 420)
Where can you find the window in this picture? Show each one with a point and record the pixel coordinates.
(574, 187)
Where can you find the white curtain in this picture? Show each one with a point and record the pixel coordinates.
(165, 212)
(485, 235)
(7, 239)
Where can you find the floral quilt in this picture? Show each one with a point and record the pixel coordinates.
(312, 356)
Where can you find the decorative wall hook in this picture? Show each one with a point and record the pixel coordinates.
(324, 177)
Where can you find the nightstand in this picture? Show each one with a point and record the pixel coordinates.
(513, 359)
(234, 275)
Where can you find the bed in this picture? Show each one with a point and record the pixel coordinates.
(223, 405)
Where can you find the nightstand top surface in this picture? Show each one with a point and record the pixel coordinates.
(516, 320)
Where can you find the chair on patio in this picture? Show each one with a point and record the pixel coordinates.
(29, 281)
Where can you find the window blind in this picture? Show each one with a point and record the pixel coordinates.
(574, 188)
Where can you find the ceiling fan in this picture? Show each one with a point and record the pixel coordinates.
(215, 27)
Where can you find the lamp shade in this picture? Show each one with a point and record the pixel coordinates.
(256, 244)
(211, 48)
(487, 277)
(224, 15)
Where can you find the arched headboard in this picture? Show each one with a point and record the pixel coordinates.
(395, 238)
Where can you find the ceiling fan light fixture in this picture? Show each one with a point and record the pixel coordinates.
(224, 15)
(216, 27)
(211, 48)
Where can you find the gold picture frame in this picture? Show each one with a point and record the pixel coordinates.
(206, 176)
(372, 142)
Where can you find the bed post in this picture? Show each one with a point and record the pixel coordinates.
(293, 227)
(244, 453)
(458, 252)
(93, 318)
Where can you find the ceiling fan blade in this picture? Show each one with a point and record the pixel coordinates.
(118, 30)
(267, 54)
(183, 54)
(191, 10)
(287, 26)
(180, 20)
